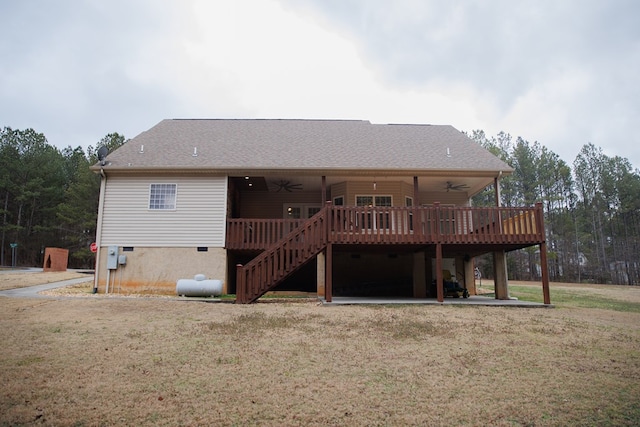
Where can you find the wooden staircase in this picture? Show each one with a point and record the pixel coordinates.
(280, 260)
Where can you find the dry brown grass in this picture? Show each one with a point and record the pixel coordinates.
(162, 361)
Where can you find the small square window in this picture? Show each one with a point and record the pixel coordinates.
(162, 196)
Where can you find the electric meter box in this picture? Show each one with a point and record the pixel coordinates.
(112, 257)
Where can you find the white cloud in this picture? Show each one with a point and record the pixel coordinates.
(275, 63)
(561, 73)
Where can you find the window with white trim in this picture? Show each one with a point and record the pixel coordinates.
(162, 196)
(373, 201)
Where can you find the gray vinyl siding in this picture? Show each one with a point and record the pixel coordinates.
(199, 218)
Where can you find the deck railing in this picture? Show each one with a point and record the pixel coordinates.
(258, 234)
(402, 225)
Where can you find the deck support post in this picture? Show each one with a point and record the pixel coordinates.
(439, 278)
(500, 275)
(545, 273)
(321, 275)
(328, 273)
(469, 277)
(500, 280)
(324, 190)
(240, 285)
(544, 267)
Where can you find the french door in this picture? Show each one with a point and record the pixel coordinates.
(299, 211)
(377, 217)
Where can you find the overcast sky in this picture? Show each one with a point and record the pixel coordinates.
(560, 72)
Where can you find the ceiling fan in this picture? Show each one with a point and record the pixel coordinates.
(455, 187)
(286, 186)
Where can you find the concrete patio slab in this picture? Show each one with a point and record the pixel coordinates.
(472, 300)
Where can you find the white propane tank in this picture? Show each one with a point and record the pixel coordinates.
(199, 286)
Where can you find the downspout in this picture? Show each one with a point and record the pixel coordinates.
(103, 185)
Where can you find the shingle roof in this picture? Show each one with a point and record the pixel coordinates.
(301, 144)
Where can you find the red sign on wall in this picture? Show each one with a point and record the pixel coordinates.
(93, 247)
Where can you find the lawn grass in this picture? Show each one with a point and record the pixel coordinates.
(573, 298)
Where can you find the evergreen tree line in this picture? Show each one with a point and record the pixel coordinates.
(592, 211)
(49, 198)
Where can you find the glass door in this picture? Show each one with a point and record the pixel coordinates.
(377, 217)
(299, 211)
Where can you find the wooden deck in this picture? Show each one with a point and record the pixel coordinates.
(288, 245)
(401, 225)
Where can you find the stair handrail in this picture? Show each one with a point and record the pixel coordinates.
(279, 260)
